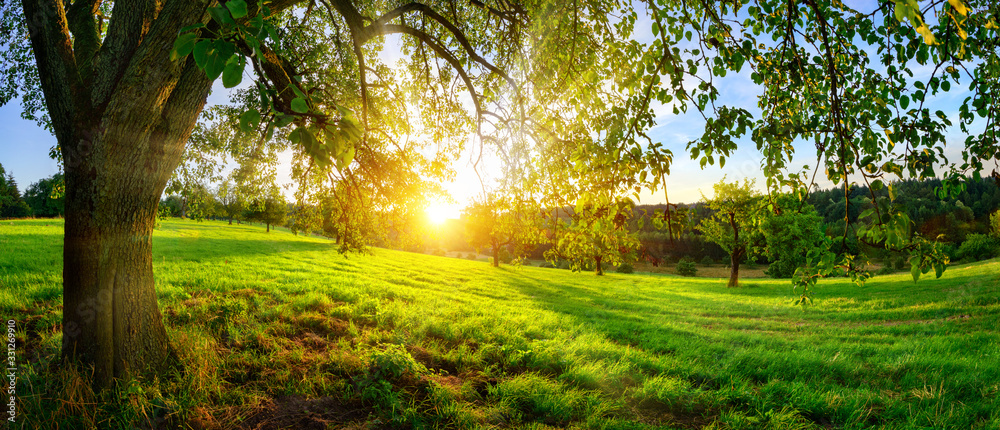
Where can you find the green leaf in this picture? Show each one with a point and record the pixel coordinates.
(218, 58)
(299, 105)
(249, 120)
(232, 75)
(221, 15)
(904, 101)
(915, 268)
(201, 52)
(191, 27)
(237, 7)
(294, 136)
(183, 46)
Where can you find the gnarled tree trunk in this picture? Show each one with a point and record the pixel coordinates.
(121, 112)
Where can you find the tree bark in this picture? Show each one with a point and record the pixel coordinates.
(736, 255)
(598, 270)
(121, 113)
(496, 256)
(734, 273)
(268, 227)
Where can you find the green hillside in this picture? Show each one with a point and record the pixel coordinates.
(280, 331)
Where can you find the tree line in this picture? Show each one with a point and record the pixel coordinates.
(738, 225)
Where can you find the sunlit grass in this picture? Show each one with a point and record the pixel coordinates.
(280, 330)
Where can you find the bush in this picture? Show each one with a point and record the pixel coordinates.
(547, 265)
(899, 263)
(707, 261)
(471, 256)
(885, 270)
(783, 268)
(686, 267)
(978, 247)
(625, 268)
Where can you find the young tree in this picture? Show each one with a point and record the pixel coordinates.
(597, 236)
(232, 204)
(503, 222)
(736, 224)
(270, 209)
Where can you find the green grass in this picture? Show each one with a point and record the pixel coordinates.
(281, 331)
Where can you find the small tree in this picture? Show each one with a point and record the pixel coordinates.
(501, 222)
(269, 210)
(735, 225)
(232, 204)
(598, 235)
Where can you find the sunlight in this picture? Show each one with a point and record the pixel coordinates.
(438, 212)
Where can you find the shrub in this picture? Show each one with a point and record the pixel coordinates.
(547, 265)
(707, 261)
(686, 267)
(625, 268)
(783, 268)
(885, 270)
(899, 263)
(471, 256)
(978, 247)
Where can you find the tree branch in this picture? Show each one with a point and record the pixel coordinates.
(50, 41)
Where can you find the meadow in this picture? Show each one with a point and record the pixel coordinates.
(281, 331)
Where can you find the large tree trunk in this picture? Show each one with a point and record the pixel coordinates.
(496, 256)
(110, 315)
(598, 270)
(121, 112)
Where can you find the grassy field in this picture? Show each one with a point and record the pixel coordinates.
(280, 331)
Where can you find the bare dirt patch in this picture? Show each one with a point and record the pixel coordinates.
(297, 412)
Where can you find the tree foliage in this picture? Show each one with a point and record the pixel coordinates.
(12, 205)
(503, 223)
(45, 197)
(736, 225)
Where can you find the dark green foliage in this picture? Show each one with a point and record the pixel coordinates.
(978, 247)
(707, 261)
(885, 270)
(11, 203)
(45, 197)
(686, 267)
(789, 237)
(782, 268)
(625, 268)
